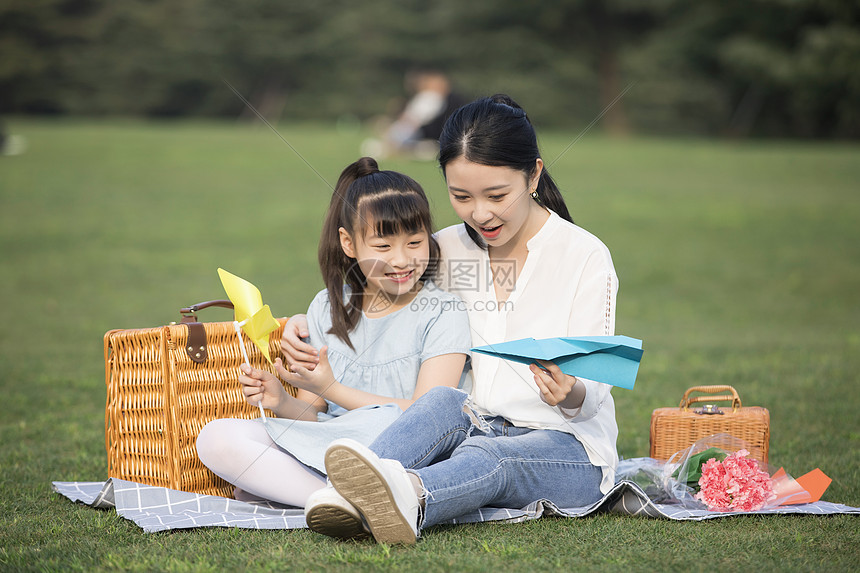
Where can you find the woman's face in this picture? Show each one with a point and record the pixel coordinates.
(495, 201)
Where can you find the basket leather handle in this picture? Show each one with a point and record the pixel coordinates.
(735, 399)
(189, 313)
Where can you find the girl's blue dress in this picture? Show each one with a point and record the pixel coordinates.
(387, 356)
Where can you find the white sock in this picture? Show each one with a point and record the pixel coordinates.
(241, 452)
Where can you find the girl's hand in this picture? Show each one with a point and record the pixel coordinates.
(296, 351)
(261, 385)
(554, 385)
(317, 380)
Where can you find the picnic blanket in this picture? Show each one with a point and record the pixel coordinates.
(156, 508)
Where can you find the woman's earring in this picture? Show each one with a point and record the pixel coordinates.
(535, 195)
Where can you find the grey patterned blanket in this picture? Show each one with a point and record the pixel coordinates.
(158, 509)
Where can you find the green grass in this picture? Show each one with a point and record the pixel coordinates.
(739, 263)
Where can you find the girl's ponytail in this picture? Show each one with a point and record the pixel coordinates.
(365, 166)
(392, 203)
(338, 269)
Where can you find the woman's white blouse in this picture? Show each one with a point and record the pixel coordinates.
(567, 287)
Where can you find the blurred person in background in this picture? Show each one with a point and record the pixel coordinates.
(416, 130)
(11, 144)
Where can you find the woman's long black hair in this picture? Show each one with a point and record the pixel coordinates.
(496, 131)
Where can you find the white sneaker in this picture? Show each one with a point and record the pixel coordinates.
(328, 513)
(379, 489)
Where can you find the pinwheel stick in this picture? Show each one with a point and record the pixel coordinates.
(238, 326)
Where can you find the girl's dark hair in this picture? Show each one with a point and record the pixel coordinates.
(391, 202)
(496, 131)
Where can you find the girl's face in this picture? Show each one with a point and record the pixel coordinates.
(392, 264)
(495, 201)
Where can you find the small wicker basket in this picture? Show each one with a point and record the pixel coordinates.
(160, 395)
(675, 429)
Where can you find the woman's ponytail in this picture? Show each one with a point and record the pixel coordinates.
(550, 197)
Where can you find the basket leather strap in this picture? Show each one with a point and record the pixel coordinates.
(197, 346)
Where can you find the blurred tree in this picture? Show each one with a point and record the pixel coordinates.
(763, 67)
(794, 68)
(756, 67)
(600, 31)
(31, 39)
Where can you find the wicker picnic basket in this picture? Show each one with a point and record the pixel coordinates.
(163, 385)
(675, 429)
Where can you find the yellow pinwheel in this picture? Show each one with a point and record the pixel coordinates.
(251, 315)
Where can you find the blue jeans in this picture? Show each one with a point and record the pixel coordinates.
(466, 465)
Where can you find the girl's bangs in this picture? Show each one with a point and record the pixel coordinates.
(394, 212)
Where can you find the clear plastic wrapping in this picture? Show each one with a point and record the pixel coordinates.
(732, 481)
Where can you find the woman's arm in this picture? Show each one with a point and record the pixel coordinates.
(592, 314)
(556, 387)
(443, 370)
(294, 348)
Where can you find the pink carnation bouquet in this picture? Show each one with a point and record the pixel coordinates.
(734, 484)
(718, 472)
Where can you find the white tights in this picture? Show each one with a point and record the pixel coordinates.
(241, 452)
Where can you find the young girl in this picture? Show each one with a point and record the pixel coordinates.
(387, 335)
(527, 432)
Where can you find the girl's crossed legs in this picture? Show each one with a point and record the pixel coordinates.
(242, 453)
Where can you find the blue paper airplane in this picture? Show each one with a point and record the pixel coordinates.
(612, 360)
